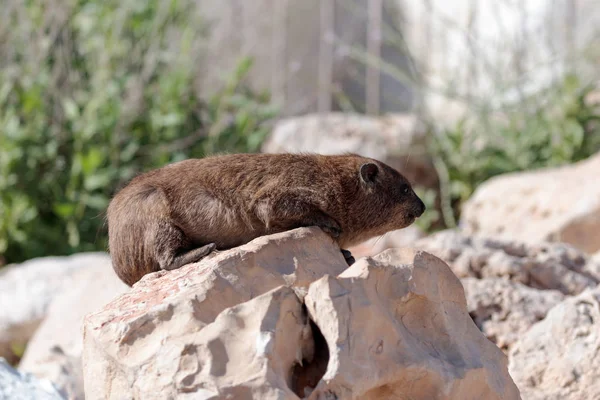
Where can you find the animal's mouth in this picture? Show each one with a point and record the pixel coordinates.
(412, 217)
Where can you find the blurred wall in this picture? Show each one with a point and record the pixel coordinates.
(379, 56)
(309, 53)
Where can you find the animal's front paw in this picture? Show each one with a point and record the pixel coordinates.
(348, 257)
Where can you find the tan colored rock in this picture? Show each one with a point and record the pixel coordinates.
(54, 351)
(234, 326)
(397, 139)
(245, 353)
(554, 204)
(399, 238)
(397, 327)
(174, 306)
(28, 289)
(557, 359)
(555, 266)
(505, 310)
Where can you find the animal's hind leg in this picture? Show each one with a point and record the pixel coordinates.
(173, 249)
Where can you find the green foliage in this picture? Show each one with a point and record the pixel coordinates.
(93, 92)
(552, 128)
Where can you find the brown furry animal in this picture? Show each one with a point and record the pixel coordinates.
(178, 214)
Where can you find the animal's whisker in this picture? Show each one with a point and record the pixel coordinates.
(378, 239)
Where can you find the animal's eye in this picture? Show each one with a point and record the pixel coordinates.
(405, 189)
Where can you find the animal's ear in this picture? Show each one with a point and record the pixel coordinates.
(368, 172)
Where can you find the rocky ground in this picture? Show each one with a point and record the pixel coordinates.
(506, 307)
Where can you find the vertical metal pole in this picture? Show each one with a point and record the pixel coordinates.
(374, 34)
(278, 51)
(326, 54)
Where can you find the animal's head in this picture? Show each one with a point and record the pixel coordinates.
(387, 200)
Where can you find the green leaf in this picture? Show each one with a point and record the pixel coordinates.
(129, 151)
(64, 210)
(97, 181)
(97, 202)
(91, 161)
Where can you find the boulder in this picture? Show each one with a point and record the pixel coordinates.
(397, 327)
(174, 306)
(557, 359)
(396, 139)
(27, 289)
(555, 204)
(283, 317)
(54, 351)
(505, 310)
(542, 265)
(15, 385)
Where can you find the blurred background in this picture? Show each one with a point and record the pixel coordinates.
(451, 93)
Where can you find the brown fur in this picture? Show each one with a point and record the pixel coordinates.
(171, 216)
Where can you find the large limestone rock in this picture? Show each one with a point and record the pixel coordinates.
(396, 327)
(283, 317)
(555, 204)
(15, 385)
(166, 308)
(54, 351)
(505, 310)
(557, 359)
(27, 289)
(397, 139)
(544, 265)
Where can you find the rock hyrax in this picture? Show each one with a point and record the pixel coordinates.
(178, 214)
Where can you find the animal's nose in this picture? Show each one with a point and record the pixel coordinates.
(420, 208)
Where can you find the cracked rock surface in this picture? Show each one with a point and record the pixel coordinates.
(283, 317)
(543, 265)
(397, 328)
(505, 310)
(557, 359)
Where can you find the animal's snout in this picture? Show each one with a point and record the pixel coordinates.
(419, 208)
